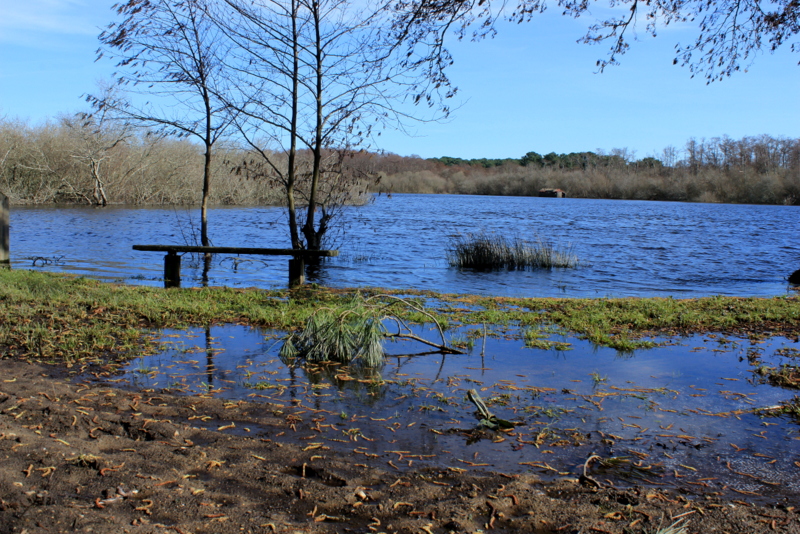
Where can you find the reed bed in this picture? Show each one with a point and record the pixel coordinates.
(487, 251)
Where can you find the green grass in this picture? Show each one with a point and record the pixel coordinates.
(597, 378)
(50, 317)
(485, 251)
(57, 318)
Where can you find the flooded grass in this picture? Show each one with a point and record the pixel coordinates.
(691, 413)
(355, 332)
(56, 318)
(786, 375)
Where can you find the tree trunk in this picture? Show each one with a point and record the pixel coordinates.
(99, 193)
(314, 236)
(204, 240)
(290, 178)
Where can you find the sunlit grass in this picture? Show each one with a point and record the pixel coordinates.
(58, 318)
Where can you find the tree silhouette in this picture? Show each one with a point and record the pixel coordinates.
(170, 51)
(728, 32)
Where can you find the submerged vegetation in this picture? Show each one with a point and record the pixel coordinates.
(50, 317)
(787, 376)
(484, 251)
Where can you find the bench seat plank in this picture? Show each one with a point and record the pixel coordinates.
(172, 262)
(238, 250)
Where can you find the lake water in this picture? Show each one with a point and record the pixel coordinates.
(627, 248)
(681, 415)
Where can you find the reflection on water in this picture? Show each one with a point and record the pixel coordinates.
(629, 248)
(681, 414)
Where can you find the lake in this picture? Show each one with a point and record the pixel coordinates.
(627, 248)
(685, 414)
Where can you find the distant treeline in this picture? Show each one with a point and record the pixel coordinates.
(63, 161)
(573, 160)
(757, 170)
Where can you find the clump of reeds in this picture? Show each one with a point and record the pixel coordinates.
(354, 332)
(488, 251)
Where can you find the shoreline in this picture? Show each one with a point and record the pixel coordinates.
(87, 457)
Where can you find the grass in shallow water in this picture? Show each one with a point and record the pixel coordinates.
(51, 317)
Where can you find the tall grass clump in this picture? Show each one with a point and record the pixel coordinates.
(485, 251)
(354, 332)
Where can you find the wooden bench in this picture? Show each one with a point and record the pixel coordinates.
(172, 261)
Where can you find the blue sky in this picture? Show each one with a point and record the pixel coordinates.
(531, 88)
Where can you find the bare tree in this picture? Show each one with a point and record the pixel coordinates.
(729, 32)
(170, 51)
(264, 68)
(314, 80)
(10, 138)
(95, 136)
(34, 168)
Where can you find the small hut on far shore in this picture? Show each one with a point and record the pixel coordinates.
(553, 193)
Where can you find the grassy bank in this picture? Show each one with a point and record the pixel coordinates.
(55, 318)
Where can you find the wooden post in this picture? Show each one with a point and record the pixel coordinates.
(172, 270)
(297, 272)
(5, 258)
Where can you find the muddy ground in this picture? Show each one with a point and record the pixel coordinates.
(87, 457)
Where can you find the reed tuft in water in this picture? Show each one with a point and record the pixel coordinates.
(485, 251)
(354, 332)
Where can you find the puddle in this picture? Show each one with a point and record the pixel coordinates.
(680, 415)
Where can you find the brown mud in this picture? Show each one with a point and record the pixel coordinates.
(88, 457)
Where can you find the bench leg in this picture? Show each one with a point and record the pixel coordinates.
(5, 258)
(172, 270)
(297, 272)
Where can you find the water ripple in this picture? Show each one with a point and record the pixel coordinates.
(627, 248)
